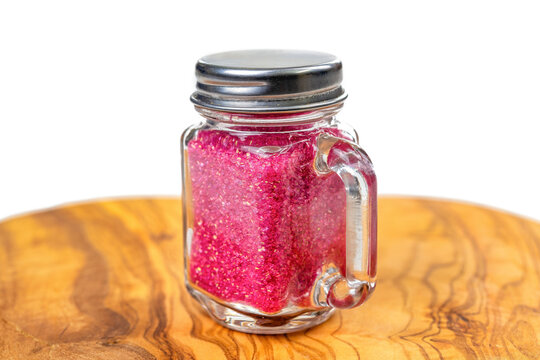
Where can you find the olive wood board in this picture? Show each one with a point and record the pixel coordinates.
(104, 280)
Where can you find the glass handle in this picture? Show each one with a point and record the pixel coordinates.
(353, 166)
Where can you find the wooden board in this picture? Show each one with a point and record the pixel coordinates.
(104, 280)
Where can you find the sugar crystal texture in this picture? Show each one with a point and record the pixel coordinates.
(264, 222)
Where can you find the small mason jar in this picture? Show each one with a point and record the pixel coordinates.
(279, 201)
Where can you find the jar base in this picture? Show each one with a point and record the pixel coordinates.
(260, 324)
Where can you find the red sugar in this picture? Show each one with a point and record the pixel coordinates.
(264, 223)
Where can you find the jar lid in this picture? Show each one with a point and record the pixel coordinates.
(250, 81)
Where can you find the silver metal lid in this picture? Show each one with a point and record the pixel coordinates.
(268, 81)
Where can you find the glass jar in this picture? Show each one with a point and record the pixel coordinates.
(279, 201)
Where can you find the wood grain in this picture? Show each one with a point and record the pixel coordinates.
(104, 280)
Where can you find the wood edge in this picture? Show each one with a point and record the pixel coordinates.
(469, 203)
(106, 199)
(85, 202)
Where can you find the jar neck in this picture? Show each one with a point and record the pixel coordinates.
(276, 119)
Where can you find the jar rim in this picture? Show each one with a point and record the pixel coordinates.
(269, 118)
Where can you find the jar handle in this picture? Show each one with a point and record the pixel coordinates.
(353, 166)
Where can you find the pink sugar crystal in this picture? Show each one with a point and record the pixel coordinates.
(264, 223)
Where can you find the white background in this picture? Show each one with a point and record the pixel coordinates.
(94, 94)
